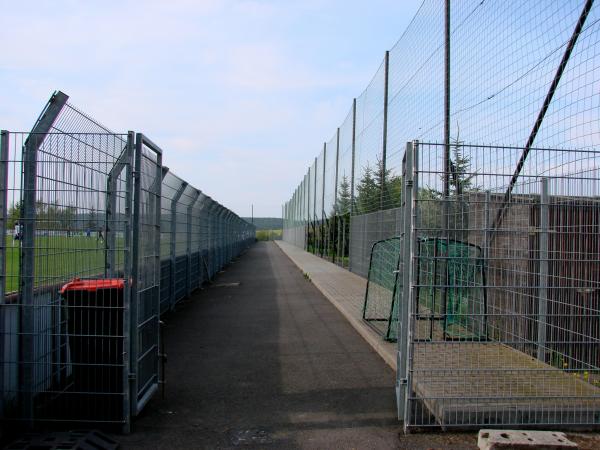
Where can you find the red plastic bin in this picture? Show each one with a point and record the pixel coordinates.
(95, 335)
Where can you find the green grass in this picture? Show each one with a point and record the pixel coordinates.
(268, 235)
(59, 259)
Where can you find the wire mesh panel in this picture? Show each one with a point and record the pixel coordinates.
(531, 81)
(329, 194)
(368, 152)
(82, 264)
(312, 213)
(301, 223)
(294, 230)
(62, 338)
(182, 239)
(343, 201)
(170, 186)
(380, 296)
(203, 203)
(319, 227)
(195, 270)
(499, 84)
(503, 314)
(494, 257)
(365, 230)
(145, 302)
(451, 289)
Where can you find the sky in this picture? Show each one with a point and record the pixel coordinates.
(240, 95)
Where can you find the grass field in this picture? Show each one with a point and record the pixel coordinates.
(268, 235)
(58, 259)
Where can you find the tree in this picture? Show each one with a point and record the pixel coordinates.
(373, 184)
(430, 208)
(461, 177)
(395, 191)
(382, 178)
(14, 214)
(368, 198)
(344, 197)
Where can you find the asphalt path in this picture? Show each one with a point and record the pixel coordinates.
(260, 359)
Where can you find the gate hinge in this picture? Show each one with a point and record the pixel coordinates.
(131, 377)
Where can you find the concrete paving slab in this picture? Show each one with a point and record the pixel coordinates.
(523, 440)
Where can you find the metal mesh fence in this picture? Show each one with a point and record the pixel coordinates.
(380, 295)
(89, 241)
(528, 91)
(501, 305)
(58, 232)
(497, 89)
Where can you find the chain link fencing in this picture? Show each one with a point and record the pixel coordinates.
(99, 240)
(489, 289)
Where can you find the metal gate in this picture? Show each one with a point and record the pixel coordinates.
(80, 270)
(498, 319)
(145, 291)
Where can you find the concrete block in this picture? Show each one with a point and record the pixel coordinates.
(523, 440)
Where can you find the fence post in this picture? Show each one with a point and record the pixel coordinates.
(404, 301)
(228, 235)
(353, 156)
(206, 211)
(323, 200)
(335, 193)
(27, 261)
(352, 199)
(110, 237)
(386, 68)
(147, 211)
(217, 238)
(543, 268)
(314, 211)
(190, 210)
(173, 230)
(133, 304)
(127, 267)
(223, 236)
(4, 142)
(486, 224)
(213, 238)
(307, 215)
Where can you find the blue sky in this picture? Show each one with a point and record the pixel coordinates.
(239, 94)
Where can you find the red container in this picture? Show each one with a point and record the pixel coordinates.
(95, 336)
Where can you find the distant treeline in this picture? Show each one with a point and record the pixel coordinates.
(266, 223)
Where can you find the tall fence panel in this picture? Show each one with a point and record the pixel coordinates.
(89, 244)
(49, 336)
(145, 298)
(434, 83)
(503, 312)
(528, 86)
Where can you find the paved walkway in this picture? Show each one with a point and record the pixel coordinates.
(346, 291)
(268, 362)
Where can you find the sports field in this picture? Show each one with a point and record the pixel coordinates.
(59, 259)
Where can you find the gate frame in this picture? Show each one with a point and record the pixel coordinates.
(137, 403)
